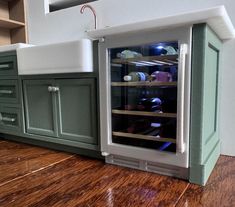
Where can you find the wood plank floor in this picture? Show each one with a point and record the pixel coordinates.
(38, 177)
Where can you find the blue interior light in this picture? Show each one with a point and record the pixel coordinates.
(160, 47)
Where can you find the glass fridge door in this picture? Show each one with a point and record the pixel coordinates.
(144, 80)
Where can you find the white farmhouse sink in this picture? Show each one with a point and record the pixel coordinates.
(66, 57)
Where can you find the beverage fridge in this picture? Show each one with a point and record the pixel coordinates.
(145, 100)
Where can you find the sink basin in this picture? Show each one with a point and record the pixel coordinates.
(66, 57)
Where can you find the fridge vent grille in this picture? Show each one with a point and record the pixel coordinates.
(156, 168)
(118, 160)
(148, 166)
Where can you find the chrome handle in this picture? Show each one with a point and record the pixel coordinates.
(181, 85)
(53, 89)
(6, 91)
(4, 66)
(56, 89)
(50, 88)
(8, 119)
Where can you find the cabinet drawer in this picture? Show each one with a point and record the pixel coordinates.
(8, 65)
(10, 118)
(9, 91)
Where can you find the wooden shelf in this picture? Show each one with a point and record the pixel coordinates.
(10, 24)
(144, 137)
(149, 60)
(144, 113)
(144, 83)
(13, 27)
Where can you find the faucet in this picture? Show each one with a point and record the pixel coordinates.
(93, 11)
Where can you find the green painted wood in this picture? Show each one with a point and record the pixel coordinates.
(73, 147)
(77, 110)
(9, 53)
(21, 102)
(8, 65)
(9, 91)
(10, 119)
(49, 139)
(204, 130)
(42, 128)
(60, 76)
(40, 108)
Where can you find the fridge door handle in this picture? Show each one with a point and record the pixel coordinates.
(180, 125)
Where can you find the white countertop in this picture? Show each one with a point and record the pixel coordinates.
(13, 47)
(216, 17)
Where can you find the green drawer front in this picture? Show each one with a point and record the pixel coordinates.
(10, 119)
(9, 91)
(8, 65)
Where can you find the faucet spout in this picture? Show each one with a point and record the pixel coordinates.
(93, 11)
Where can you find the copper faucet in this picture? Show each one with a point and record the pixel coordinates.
(93, 11)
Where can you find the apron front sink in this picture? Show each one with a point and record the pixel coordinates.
(66, 57)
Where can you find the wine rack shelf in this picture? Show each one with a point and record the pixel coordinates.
(149, 60)
(145, 83)
(144, 113)
(144, 137)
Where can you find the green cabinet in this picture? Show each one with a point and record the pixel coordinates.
(11, 119)
(58, 111)
(204, 134)
(8, 65)
(77, 110)
(61, 108)
(9, 91)
(40, 108)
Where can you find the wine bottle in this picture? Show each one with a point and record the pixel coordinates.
(174, 72)
(149, 104)
(136, 77)
(161, 76)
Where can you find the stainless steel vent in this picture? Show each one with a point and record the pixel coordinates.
(144, 165)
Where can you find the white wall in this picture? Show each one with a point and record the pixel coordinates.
(69, 24)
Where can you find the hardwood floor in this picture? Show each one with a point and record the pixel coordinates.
(37, 177)
(18, 160)
(219, 191)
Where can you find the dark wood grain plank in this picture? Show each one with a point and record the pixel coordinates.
(79, 181)
(219, 191)
(140, 189)
(86, 182)
(17, 160)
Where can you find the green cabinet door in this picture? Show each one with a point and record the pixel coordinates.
(10, 118)
(8, 65)
(204, 134)
(40, 108)
(77, 110)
